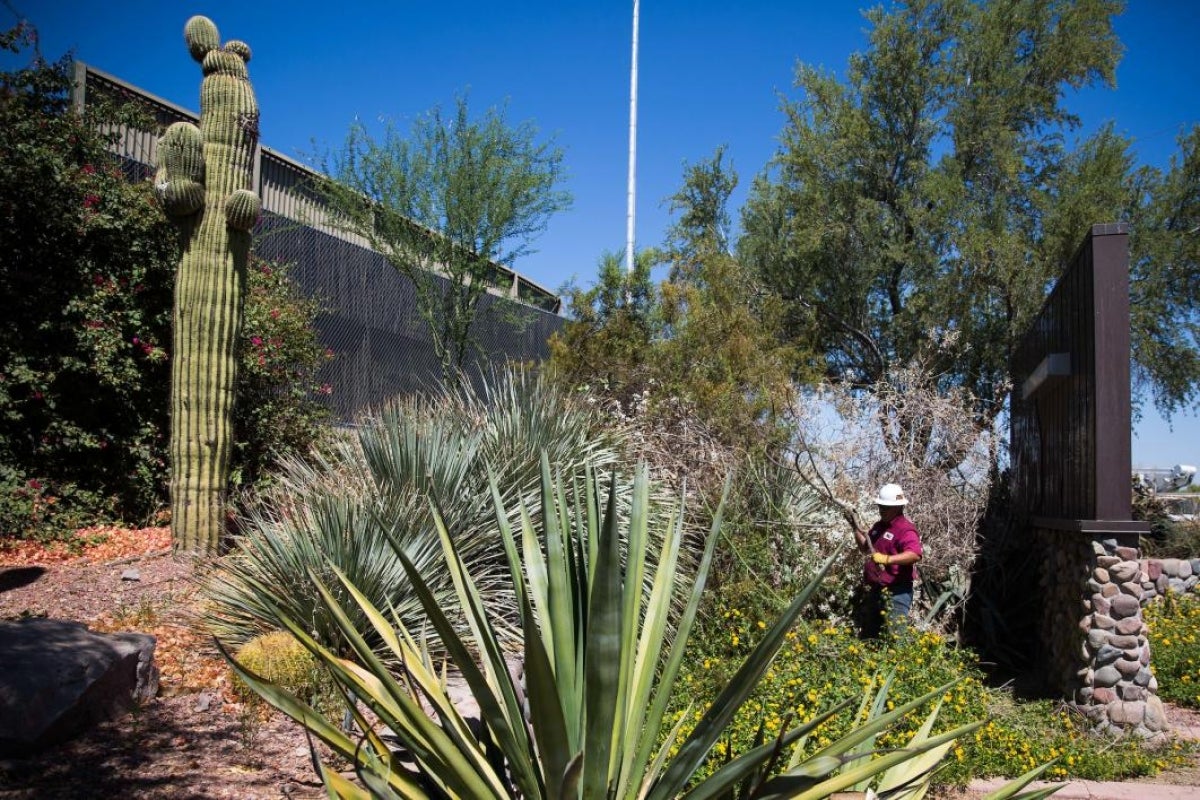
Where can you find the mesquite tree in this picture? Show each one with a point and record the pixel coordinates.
(204, 179)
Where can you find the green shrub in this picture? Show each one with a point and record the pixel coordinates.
(824, 664)
(1174, 622)
(344, 507)
(89, 261)
(88, 268)
(600, 663)
(279, 359)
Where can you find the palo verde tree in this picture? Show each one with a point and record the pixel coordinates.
(637, 342)
(918, 209)
(453, 200)
(204, 179)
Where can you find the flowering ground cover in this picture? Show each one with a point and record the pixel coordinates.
(824, 664)
(1174, 622)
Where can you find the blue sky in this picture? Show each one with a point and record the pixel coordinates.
(710, 74)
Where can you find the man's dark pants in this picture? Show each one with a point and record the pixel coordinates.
(884, 603)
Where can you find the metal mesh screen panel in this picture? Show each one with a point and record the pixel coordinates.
(369, 320)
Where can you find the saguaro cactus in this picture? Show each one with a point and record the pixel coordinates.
(204, 178)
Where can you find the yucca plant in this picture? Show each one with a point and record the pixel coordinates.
(348, 506)
(600, 660)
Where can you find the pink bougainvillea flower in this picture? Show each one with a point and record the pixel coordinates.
(256, 341)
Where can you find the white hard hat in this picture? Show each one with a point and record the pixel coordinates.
(890, 494)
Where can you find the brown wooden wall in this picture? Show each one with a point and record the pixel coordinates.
(1071, 413)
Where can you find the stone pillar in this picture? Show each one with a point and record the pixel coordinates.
(1100, 660)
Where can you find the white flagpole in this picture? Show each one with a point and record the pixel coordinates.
(633, 83)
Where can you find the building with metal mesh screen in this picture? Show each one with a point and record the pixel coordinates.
(382, 347)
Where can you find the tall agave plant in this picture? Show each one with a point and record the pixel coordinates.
(600, 659)
(351, 505)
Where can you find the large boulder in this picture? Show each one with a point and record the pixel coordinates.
(57, 679)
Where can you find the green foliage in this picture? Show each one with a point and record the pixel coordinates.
(1165, 279)
(918, 210)
(607, 345)
(597, 675)
(83, 344)
(455, 198)
(1174, 622)
(822, 665)
(277, 412)
(637, 343)
(347, 506)
(84, 356)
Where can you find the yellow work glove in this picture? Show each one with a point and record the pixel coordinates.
(880, 558)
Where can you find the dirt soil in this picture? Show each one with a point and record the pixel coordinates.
(195, 740)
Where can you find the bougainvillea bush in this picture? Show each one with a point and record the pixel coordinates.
(87, 269)
(87, 264)
(278, 409)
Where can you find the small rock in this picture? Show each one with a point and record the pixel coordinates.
(1127, 553)
(1125, 606)
(1190, 583)
(1144, 677)
(1156, 716)
(1127, 713)
(1185, 568)
(1103, 695)
(1153, 569)
(1100, 575)
(1107, 654)
(1110, 590)
(1107, 561)
(1132, 588)
(1124, 571)
(1124, 642)
(131, 575)
(1103, 621)
(1129, 626)
(1128, 668)
(1100, 604)
(203, 701)
(1195, 562)
(1106, 676)
(1133, 692)
(1096, 638)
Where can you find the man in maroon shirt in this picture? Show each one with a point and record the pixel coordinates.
(893, 546)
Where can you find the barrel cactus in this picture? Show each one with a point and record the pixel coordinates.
(204, 181)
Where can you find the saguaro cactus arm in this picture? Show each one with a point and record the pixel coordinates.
(180, 177)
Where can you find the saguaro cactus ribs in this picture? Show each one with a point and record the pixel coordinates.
(204, 179)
